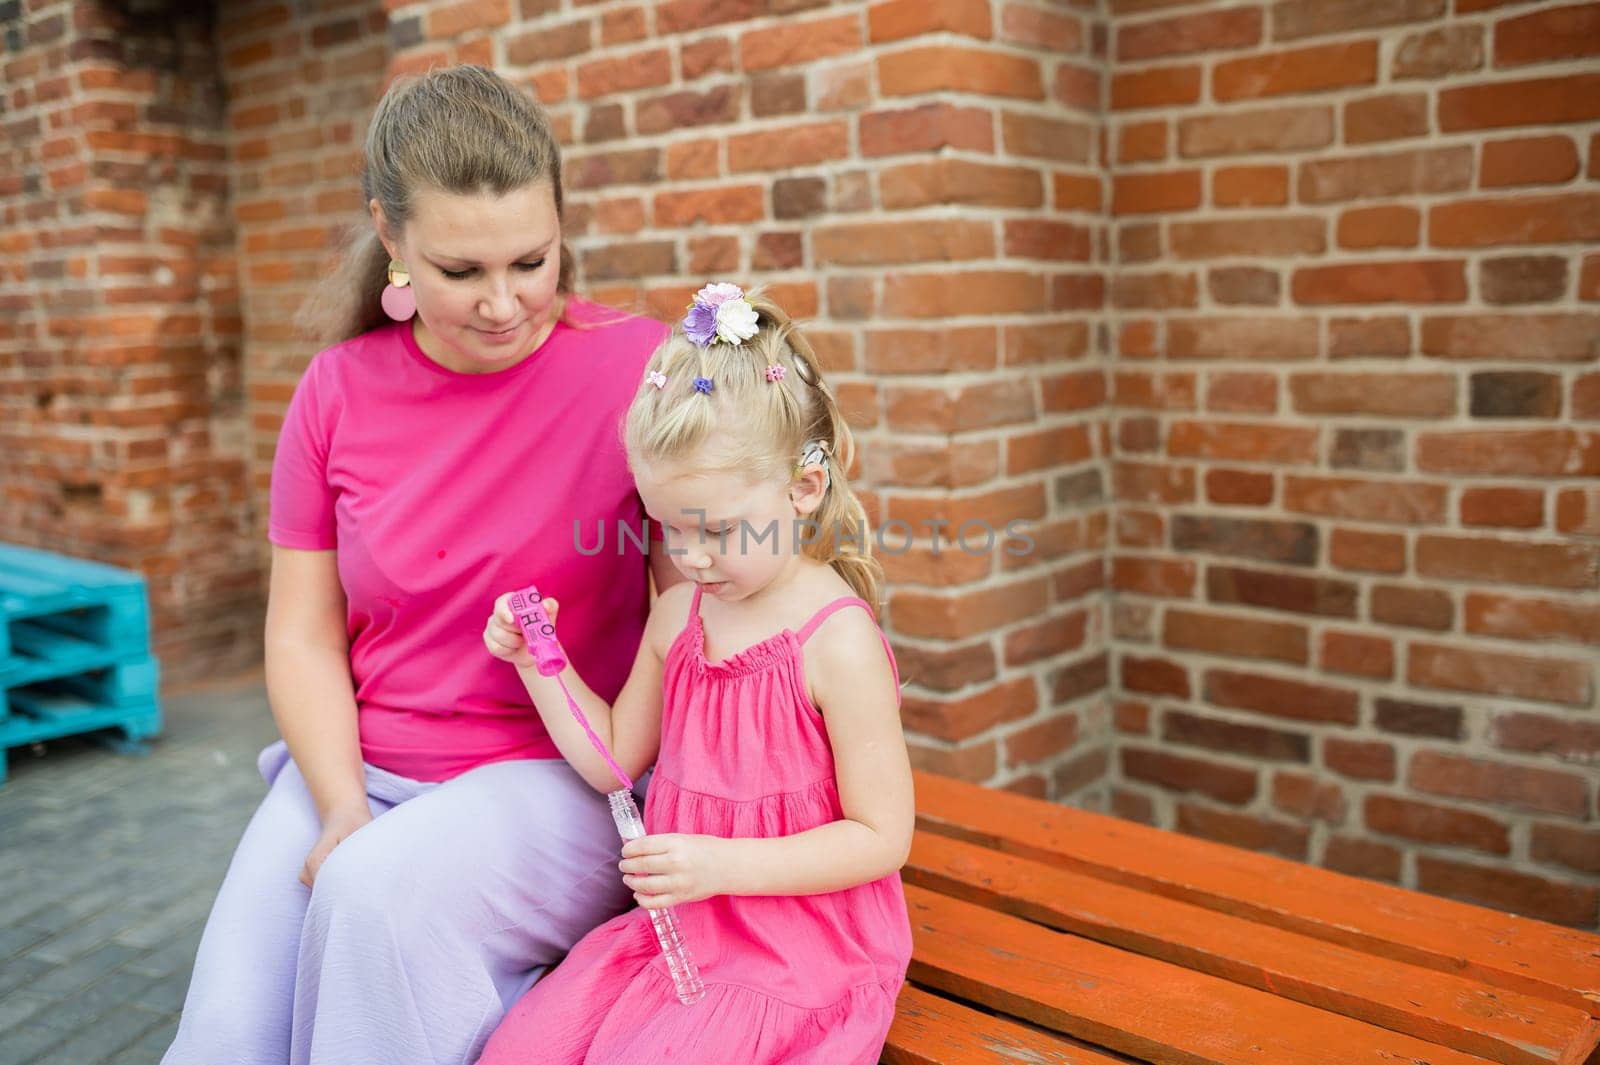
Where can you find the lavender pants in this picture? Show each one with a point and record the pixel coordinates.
(424, 926)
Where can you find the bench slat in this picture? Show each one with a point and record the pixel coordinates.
(1148, 1009)
(1559, 964)
(1499, 1024)
(929, 1030)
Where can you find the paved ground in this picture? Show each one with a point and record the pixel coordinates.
(108, 865)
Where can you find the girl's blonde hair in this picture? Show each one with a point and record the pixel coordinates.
(758, 427)
(464, 130)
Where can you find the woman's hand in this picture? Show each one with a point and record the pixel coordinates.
(503, 637)
(336, 828)
(671, 868)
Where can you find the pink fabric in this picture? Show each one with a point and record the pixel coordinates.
(809, 979)
(440, 491)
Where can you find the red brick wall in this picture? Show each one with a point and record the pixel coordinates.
(1357, 540)
(121, 401)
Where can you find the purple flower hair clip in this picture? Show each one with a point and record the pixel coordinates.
(720, 312)
(703, 385)
(776, 373)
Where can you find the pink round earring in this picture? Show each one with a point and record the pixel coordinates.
(399, 302)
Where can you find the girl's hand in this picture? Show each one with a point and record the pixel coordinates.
(671, 868)
(503, 637)
(338, 827)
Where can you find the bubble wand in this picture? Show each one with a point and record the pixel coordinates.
(527, 607)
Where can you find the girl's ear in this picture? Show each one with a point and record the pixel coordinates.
(807, 489)
(381, 224)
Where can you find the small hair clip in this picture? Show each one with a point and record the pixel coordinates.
(776, 373)
(703, 385)
(657, 378)
(720, 312)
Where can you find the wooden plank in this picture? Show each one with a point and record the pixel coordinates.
(929, 1030)
(1559, 964)
(1130, 1004)
(1452, 1011)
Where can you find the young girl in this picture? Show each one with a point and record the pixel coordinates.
(780, 810)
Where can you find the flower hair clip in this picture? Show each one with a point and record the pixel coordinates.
(720, 312)
(657, 378)
(703, 385)
(776, 373)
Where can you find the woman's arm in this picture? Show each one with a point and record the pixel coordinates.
(630, 729)
(309, 687)
(854, 688)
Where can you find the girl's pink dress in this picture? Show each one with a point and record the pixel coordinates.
(803, 980)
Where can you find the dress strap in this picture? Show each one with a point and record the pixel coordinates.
(694, 605)
(833, 608)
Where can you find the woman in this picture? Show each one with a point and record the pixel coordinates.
(423, 850)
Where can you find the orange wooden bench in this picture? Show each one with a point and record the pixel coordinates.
(1045, 934)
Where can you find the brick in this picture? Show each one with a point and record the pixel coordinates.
(921, 465)
(1156, 291)
(708, 56)
(1419, 719)
(1526, 452)
(974, 762)
(1359, 759)
(687, 160)
(792, 146)
(1273, 129)
(1549, 565)
(1522, 893)
(1416, 395)
(900, 351)
(716, 206)
(1244, 286)
(1505, 508)
(1534, 102)
(1250, 186)
(1301, 70)
(1240, 441)
(1324, 597)
(1308, 797)
(1379, 337)
(1555, 33)
(946, 409)
(1418, 281)
(1076, 192)
(1042, 742)
(1082, 678)
(1292, 19)
(1589, 279)
(1393, 816)
(949, 68)
(955, 719)
(1155, 193)
(1575, 848)
(1369, 501)
(1520, 618)
(1254, 741)
(1387, 226)
(638, 166)
(1578, 511)
(468, 15)
(1239, 487)
(676, 16)
(899, 19)
(1142, 142)
(1152, 391)
(1517, 220)
(1551, 160)
(1524, 787)
(1549, 680)
(1047, 638)
(623, 26)
(1414, 172)
(1417, 608)
(1073, 392)
(1244, 830)
(1057, 241)
(1280, 697)
(1450, 49)
(959, 181)
(975, 292)
(1173, 86)
(1392, 116)
(681, 110)
(1048, 30)
(900, 242)
(626, 73)
(1156, 577)
(1357, 654)
(944, 616)
(946, 669)
(1503, 337)
(1360, 857)
(1515, 279)
(550, 42)
(1564, 737)
(1182, 773)
(1258, 236)
(795, 41)
(926, 129)
(638, 259)
(1515, 394)
(1235, 636)
(1184, 34)
(1154, 676)
(1293, 543)
(1248, 393)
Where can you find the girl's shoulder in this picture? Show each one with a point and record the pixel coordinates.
(669, 615)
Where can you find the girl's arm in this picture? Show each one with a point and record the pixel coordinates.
(631, 729)
(854, 688)
(309, 688)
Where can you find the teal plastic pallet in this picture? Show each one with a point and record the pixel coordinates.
(74, 650)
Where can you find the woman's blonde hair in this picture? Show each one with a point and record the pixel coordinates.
(464, 130)
(758, 427)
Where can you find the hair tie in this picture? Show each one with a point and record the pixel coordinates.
(776, 373)
(720, 312)
(703, 385)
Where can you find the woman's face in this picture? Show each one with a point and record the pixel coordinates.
(484, 270)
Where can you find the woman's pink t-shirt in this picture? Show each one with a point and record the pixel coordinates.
(440, 491)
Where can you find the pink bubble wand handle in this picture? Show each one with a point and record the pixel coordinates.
(527, 607)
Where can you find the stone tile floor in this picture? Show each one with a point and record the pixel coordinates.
(108, 866)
